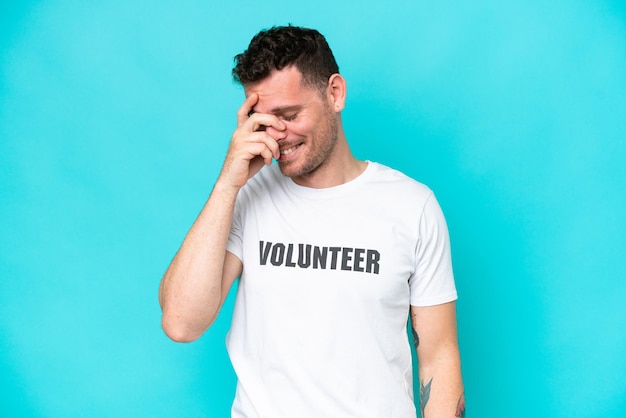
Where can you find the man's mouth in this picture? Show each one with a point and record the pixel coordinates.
(288, 150)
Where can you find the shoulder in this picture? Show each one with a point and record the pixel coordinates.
(395, 182)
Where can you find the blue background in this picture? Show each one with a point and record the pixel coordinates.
(114, 120)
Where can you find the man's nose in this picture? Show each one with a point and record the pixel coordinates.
(277, 134)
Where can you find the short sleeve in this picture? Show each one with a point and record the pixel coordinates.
(433, 280)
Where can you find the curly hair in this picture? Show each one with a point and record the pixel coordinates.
(281, 47)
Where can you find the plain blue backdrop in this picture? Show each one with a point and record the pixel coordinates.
(114, 120)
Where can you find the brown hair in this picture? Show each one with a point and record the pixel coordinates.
(283, 46)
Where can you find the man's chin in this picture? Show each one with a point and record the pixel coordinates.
(286, 168)
(289, 169)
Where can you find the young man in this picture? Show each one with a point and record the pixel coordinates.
(333, 253)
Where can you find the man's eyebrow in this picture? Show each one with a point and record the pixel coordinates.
(281, 110)
(285, 109)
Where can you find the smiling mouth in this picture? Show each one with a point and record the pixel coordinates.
(289, 150)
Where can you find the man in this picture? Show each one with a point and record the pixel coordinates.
(333, 254)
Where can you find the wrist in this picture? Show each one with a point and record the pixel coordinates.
(222, 185)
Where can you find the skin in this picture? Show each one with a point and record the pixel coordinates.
(460, 407)
(287, 114)
(300, 126)
(308, 144)
(441, 384)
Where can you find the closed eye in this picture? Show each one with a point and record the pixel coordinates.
(290, 117)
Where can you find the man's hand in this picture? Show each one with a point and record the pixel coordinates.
(251, 146)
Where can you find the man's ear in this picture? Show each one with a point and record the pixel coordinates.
(337, 92)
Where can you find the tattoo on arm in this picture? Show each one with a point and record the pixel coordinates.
(460, 406)
(424, 395)
(416, 338)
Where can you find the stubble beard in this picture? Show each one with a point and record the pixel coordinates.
(318, 154)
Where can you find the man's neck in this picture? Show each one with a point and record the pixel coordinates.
(340, 168)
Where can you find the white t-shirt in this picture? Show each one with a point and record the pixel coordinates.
(319, 324)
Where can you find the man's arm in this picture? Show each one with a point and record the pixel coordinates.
(197, 281)
(441, 384)
(202, 272)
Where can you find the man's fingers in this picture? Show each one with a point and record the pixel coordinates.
(267, 156)
(258, 121)
(264, 142)
(253, 143)
(243, 114)
(258, 150)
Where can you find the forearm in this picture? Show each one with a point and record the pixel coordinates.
(439, 362)
(441, 385)
(191, 290)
